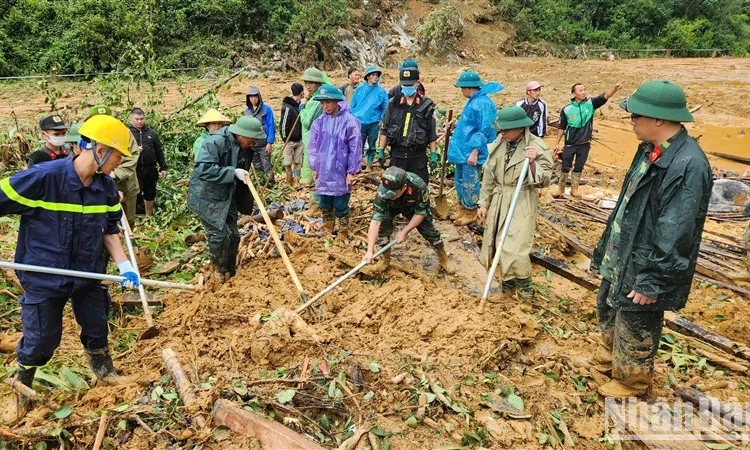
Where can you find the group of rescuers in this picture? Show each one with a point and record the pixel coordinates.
(70, 207)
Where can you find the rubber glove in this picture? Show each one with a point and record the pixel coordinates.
(127, 270)
(240, 174)
(434, 158)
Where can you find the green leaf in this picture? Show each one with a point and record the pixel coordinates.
(63, 412)
(121, 407)
(286, 396)
(515, 401)
(369, 395)
(669, 337)
(74, 380)
(41, 446)
(332, 389)
(325, 423)
(411, 421)
(716, 446)
(431, 397)
(377, 431)
(170, 396)
(221, 433)
(374, 367)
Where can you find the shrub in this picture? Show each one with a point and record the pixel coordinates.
(441, 31)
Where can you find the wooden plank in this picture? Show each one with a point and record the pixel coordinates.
(272, 435)
(128, 299)
(689, 328)
(561, 269)
(572, 240)
(735, 158)
(734, 288)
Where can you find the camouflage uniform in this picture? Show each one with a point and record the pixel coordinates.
(416, 200)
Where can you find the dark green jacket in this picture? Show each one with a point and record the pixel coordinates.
(212, 184)
(661, 228)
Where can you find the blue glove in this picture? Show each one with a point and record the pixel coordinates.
(434, 158)
(127, 270)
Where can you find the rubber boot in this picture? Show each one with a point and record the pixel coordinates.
(628, 383)
(469, 217)
(25, 376)
(148, 206)
(458, 214)
(369, 158)
(329, 220)
(561, 185)
(443, 258)
(602, 359)
(218, 274)
(525, 289)
(575, 180)
(383, 263)
(101, 364)
(343, 227)
(289, 178)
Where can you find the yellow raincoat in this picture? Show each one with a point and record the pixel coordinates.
(498, 184)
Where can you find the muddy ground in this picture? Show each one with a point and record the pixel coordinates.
(412, 322)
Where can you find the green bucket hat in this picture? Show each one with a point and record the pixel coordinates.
(73, 134)
(469, 79)
(99, 110)
(512, 117)
(329, 92)
(313, 75)
(372, 69)
(658, 100)
(393, 179)
(249, 127)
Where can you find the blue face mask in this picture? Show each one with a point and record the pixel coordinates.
(408, 90)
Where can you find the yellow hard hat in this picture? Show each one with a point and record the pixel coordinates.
(107, 130)
(212, 115)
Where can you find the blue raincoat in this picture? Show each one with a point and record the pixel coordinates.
(369, 103)
(474, 129)
(335, 150)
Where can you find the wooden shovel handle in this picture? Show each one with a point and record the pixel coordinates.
(448, 132)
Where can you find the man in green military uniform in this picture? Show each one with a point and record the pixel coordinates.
(649, 249)
(211, 195)
(404, 193)
(124, 175)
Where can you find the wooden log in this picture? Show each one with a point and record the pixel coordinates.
(735, 158)
(561, 269)
(572, 240)
(101, 431)
(698, 398)
(30, 393)
(722, 361)
(184, 387)
(689, 328)
(734, 288)
(272, 435)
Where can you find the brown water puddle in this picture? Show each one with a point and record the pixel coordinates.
(615, 144)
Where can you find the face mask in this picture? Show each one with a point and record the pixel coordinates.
(408, 90)
(57, 141)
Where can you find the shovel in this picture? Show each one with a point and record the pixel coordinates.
(276, 240)
(151, 331)
(441, 203)
(504, 234)
(356, 269)
(91, 275)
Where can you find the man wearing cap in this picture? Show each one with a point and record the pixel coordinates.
(335, 153)
(291, 134)
(468, 147)
(54, 131)
(368, 105)
(501, 173)
(263, 148)
(211, 195)
(310, 110)
(73, 138)
(649, 248)
(404, 193)
(406, 65)
(353, 78)
(210, 122)
(535, 108)
(152, 153)
(125, 175)
(409, 127)
(577, 126)
(70, 210)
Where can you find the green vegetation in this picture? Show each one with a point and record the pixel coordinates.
(686, 26)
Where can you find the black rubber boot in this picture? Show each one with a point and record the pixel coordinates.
(25, 375)
(101, 364)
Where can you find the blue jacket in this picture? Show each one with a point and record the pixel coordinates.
(474, 129)
(63, 224)
(369, 103)
(265, 115)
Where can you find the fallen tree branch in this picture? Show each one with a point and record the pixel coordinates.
(184, 387)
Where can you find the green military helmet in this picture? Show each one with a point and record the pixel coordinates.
(73, 133)
(97, 110)
(313, 75)
(469, 79)
(512, 117)
(249, 127)
(658, 100)
(409, 64)
(329, 92)
(372, 69)
(392, 180)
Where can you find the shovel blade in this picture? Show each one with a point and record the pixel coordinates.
(441, 207)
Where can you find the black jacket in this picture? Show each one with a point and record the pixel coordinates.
(288, 123)
(151, 150)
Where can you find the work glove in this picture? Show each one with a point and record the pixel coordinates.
(434, 158)
(127, 270)
(240, 174)
(380, 153)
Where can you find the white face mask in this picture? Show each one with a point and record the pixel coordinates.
(57, 141)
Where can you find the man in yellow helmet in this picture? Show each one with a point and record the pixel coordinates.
(70, 210)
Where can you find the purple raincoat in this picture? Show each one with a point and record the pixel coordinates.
(335, 150)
